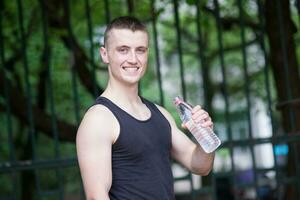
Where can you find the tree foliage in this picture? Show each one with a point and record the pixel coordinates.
(49, 56)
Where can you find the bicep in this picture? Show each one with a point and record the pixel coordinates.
(94, 160)
(93, 143)
(182, 146)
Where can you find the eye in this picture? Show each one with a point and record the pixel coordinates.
(122, 50)
(141, 50)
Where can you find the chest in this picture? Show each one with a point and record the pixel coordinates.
(143, 138)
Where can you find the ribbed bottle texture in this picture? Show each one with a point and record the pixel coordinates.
(207, 139)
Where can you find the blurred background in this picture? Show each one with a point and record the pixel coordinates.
(237, 58)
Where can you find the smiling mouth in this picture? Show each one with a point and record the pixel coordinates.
(131, 68)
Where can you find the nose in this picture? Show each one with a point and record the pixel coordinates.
(132, 59)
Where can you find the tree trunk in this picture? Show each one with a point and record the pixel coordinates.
(280, 30)
(282, 40)
(27, 176)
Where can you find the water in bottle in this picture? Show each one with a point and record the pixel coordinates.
(205, 136)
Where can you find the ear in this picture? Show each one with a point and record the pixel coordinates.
(104, 56)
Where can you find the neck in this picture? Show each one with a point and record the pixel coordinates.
(121, 93)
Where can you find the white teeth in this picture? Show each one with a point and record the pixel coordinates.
(132, 69)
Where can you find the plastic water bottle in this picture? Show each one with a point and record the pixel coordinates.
(205, 136)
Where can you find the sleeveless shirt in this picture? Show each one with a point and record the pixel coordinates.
(141, 158)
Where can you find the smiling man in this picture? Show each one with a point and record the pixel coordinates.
(125, 143)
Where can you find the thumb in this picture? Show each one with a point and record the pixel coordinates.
(183, 125)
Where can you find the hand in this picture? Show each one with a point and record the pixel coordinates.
(201, 117)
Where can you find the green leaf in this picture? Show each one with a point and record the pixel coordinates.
(191, 2)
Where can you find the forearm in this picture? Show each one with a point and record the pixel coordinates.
(96, 185)
(201, 162)
(96, 191)
(102, 196)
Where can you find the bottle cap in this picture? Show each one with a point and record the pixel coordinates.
(177, 100)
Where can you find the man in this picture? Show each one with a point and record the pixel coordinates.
(125, 142)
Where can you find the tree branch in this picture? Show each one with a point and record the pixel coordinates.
(231, 48)
(43, 121)
(228, 22)
(60, 22)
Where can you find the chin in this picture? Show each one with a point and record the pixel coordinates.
(131, 81)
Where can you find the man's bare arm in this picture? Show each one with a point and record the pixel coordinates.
(186, 152)
(94, 139)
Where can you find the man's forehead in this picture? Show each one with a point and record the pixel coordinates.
(124, 31)
(127, 36)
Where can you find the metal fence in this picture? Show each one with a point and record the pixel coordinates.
(237, 58)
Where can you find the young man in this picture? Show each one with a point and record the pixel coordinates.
(125, 142)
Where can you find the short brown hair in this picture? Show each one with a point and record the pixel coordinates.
(124, 22)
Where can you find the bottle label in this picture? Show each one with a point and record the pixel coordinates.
(193, 129)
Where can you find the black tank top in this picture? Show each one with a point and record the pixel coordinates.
(141, 160)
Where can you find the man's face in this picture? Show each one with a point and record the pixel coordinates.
(126, 53)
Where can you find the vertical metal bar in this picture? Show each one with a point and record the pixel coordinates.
(224, 86)
(204, 69)
(31, 125)
(157, 56)
(90, 32)
(107, 11)
(285, 63)
(267, 82)
(203, 72)
(46, 60)
(295, 150)
(247, 88)
(73, 67)
(181, 67)
(297, 5)
(287, 86)
(193, 193)
(130, 7)
(12, 157)
(26, 76)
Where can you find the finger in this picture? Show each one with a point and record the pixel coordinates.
(201, 117)
(198, 113)
(196, 109)
(207, 124)
(183, 125)
(202, 121)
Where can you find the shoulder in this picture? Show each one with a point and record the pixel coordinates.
(166, 114)
(98, 122)
(97, 115)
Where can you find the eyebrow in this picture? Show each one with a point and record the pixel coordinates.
(125, 46)
(142, 47)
